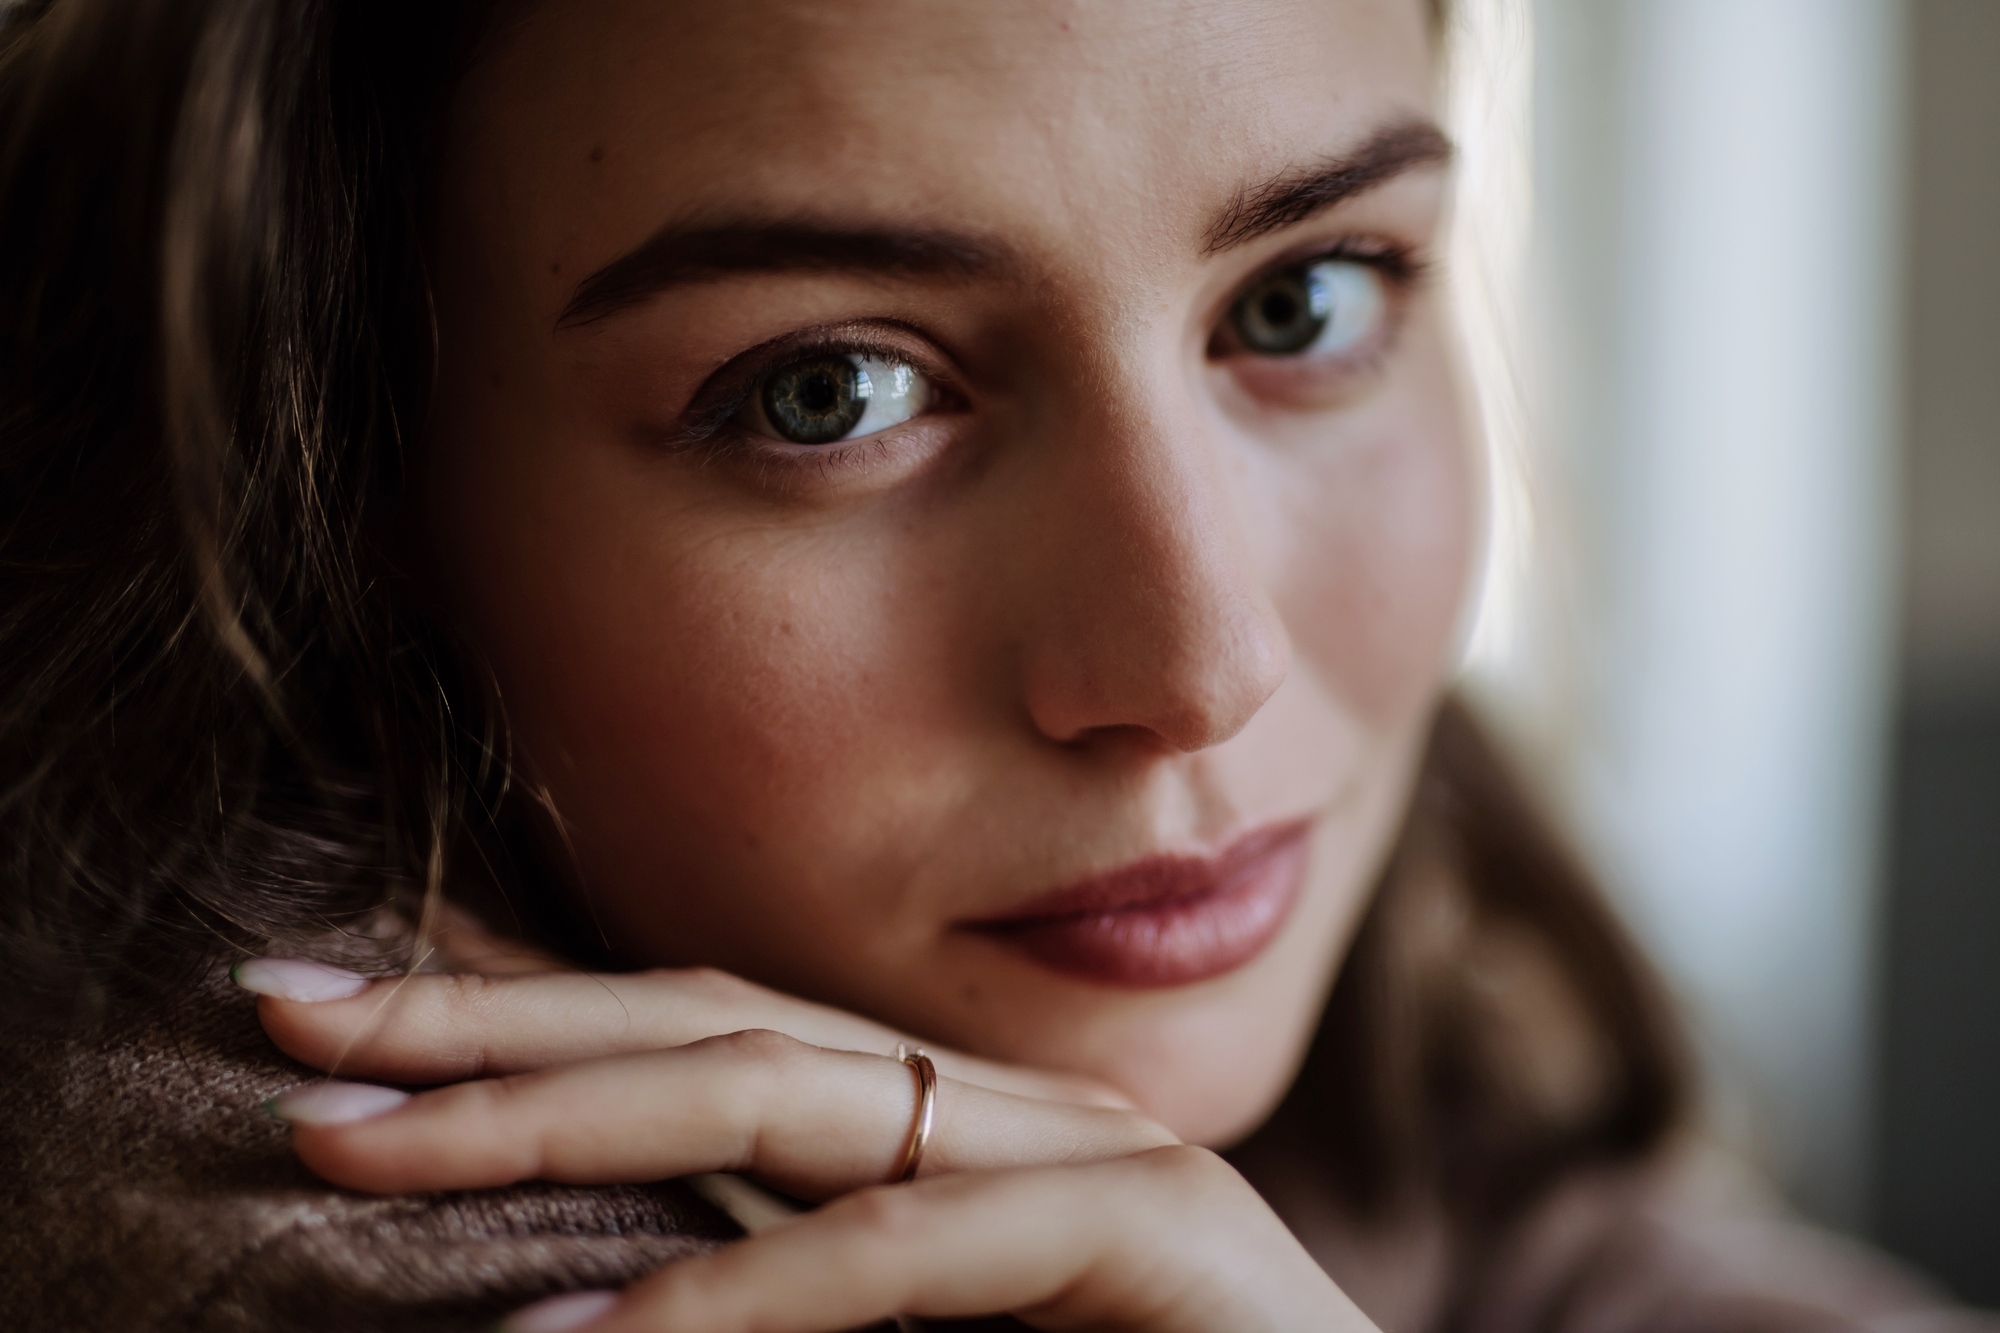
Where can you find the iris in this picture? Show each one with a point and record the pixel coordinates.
(817, 400)
(1328, 306)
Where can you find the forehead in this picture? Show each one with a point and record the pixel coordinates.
(602, 119)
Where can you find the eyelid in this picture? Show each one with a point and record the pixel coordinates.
(1403, 265)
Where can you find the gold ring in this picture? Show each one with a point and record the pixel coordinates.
(920, 1130)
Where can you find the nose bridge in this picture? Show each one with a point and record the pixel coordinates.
(1157, 614)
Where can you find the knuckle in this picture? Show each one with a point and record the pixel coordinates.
(887, 1211)
(1183, 1170)
(762, 1046)
(1132, 1127)
(464, 993)
(710, 983)
(498, 1120)
(455, 1025)
(1090, 1092)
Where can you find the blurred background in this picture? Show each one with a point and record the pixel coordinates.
(1731, 273)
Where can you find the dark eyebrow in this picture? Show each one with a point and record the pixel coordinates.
(1295, 196)
(676, 255)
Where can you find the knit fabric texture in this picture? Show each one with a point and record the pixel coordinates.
(144, 1188)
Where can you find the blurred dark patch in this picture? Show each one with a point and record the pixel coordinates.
(1939, 1170)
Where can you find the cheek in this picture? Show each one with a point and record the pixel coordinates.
(1381, 526)
(709, 703)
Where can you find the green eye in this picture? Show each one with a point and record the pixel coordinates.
(817, 400)
(1329, 306)
(835, 396)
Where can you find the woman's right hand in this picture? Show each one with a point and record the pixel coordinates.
(522, 1011)
(1031, 1199)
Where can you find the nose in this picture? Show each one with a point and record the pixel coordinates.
(1151, 616)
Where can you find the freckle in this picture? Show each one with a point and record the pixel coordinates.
(555, 268)
(751, 841)
(786, 628)
(597, 153)
(971, 994)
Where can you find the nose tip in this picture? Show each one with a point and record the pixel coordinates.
(1195, 696)
(1181, 645)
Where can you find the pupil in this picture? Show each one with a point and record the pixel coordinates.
(1282, 315)
(817, 400)
(818, 394)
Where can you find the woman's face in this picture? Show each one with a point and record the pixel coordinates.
(965, 505)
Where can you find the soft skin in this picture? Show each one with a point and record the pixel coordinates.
(1122, 591)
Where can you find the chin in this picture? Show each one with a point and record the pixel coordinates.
(1209, 1111)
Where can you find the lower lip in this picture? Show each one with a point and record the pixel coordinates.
(1175, 941)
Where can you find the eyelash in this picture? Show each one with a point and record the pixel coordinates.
(1401, 264)
(711, 435)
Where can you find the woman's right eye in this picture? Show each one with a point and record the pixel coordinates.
(829, 397)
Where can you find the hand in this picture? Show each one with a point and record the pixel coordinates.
(1036, 1197)
(498, 1006)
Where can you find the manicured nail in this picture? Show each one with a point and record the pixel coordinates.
(297, 979)
(559, 1313)
(334, 1103)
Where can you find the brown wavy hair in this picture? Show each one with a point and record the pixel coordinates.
(225, 727)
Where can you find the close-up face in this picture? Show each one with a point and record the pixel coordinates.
(966, 507)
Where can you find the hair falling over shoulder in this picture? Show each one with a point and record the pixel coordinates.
(1493, 1026)
(218, 722)
(225, 725)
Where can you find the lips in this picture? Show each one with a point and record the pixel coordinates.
(1164, 920)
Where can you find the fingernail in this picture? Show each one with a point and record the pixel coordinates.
(560, 1312)
(334, 1103)
(297, 979)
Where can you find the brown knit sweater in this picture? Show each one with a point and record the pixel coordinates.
(143, 1190)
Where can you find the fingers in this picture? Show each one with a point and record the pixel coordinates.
(1167, 1241)
(436, 1028)
(811, 1122)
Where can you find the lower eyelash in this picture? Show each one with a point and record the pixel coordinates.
(780, 471)
(708, 435)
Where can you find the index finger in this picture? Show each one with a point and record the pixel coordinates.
(444, 1027)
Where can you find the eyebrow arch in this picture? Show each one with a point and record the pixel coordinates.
(1284, 200)
(675, 255)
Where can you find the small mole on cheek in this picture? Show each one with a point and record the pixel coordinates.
(555, 266)
(597, 153)
(751, 842)
(972, 994)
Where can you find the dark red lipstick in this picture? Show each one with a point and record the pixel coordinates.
(1164, 920)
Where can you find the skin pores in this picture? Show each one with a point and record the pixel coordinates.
(1122, 590)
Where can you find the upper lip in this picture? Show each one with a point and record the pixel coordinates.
(1152, 882)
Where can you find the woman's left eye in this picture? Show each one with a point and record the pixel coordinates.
(833, 396)
(1324, 308)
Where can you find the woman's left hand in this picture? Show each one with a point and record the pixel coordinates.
(1066, 1215)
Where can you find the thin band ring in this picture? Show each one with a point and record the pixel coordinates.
(920, 1129)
